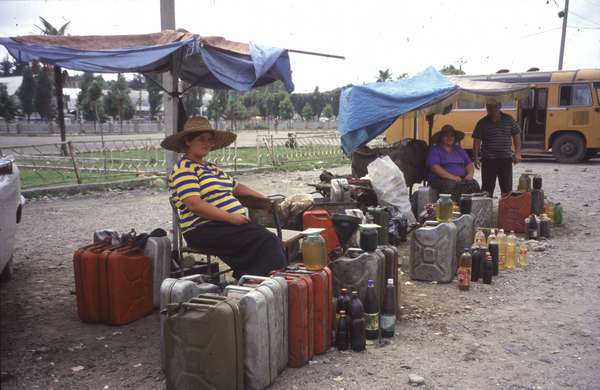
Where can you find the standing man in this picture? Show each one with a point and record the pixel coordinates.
(493, 135)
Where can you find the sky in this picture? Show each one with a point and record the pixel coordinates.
(402, 36)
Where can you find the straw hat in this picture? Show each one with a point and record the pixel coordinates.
(437, 137)
(196, 125)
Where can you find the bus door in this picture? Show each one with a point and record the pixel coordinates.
(533, 118)
(596, 118)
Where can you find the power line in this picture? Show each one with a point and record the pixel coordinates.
(541, 32)
(586, 19)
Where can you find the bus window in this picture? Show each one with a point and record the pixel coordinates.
(509, 104)
(575, 95)
(597, 88)
(542, 99)
(469, 105)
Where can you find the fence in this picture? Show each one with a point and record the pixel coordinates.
(95, 161)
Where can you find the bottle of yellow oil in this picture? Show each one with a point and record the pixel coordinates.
(501, 238)
(511, 251)
(523, 261)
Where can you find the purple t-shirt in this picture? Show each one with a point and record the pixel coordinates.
(454, 162)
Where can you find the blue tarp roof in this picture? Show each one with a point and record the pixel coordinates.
(367, 110)
(216, 63)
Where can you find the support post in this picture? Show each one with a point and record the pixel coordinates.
(75, 166)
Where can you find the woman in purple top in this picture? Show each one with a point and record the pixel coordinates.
(450, 168)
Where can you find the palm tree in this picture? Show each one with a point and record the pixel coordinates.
(384, 75)
(49, 29)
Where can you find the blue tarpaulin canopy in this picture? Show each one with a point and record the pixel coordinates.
(211, 62)
(368, 110)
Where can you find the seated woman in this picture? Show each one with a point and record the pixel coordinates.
(450, 168)
(211, 218)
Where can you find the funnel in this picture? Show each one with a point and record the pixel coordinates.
(345, 226)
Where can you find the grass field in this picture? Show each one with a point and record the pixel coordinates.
(154, 159)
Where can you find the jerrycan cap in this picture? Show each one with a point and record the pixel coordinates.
(368, 226)
(312, 232)
(445, 196)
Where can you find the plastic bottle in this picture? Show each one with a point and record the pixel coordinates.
(357, 328)
(523, 253)
(314, 253)
(545, 226)
(558, 214)
(476, 260)
(479, 239)
(501, 250)
(511, 250)
(537, 201)
(343, 303)
(371, 312)
(341, 336)
(524, 183)
(532, 227)
(488, 268)
(388, 312)
(464, 270)
(494, 251)
(549, 210)
(444, 208)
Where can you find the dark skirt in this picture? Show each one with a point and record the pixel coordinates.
(454, 188)
(248, 249)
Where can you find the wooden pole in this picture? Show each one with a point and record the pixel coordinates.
(75, 166)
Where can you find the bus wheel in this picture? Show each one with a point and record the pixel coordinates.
(569, 148)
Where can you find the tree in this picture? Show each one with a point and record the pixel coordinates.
(89, 99)
(7, 66)
(26, 92)
(286, 108)
(307, 112)
(234, 110)
(49, 29)
(43, 94)
(327, 111)
(450, 70)
(117, 102)
(192, 100)
(8, 107)
(217, 105)
(384, 75)
(317, 102)
(154, 96)
(402, 76)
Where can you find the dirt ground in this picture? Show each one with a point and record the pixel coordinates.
(537, 328)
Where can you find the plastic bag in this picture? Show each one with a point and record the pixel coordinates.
(390, 187)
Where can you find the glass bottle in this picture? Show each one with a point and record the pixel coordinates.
(523, 253)
(532, 227)
(501, 250)
(357, 323)
(466, 204)
(537, 182)
(524, 183)
(371, 311)
(477, 254)
(444, 208)
(388, 312)
(545, 226)
(558, 214)
(549, 209)
(464, 270)
(314, 253)
(511, 251)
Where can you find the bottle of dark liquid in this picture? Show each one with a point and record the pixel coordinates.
(494, 249)
(477, 255)
(466, 204)
(343, 301)
(537, 182)
(341, 335)
(533, 228)
(537, 202)
(388, 312)
(544, 226)
(371, 312)
(487, 268)
(464, 270)
(358, 324)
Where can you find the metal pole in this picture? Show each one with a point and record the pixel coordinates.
(170, 83)
(564, 34)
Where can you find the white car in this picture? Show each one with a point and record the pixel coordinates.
(11, 206)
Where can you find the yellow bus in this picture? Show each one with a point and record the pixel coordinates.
(561, 114)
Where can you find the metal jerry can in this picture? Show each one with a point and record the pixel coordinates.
(433, 253)
(482, 208)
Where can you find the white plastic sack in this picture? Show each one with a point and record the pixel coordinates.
(389, 185)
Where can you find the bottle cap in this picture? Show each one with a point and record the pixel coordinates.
(342, 312)
(344, 291)
(467, 249)
(390, 281)
(370, 283)
(355, 293)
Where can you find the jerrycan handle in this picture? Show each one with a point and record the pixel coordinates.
(197, 306)
(234, 288)
(244, 278)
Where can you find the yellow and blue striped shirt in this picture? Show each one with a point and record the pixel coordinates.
(206, 180)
